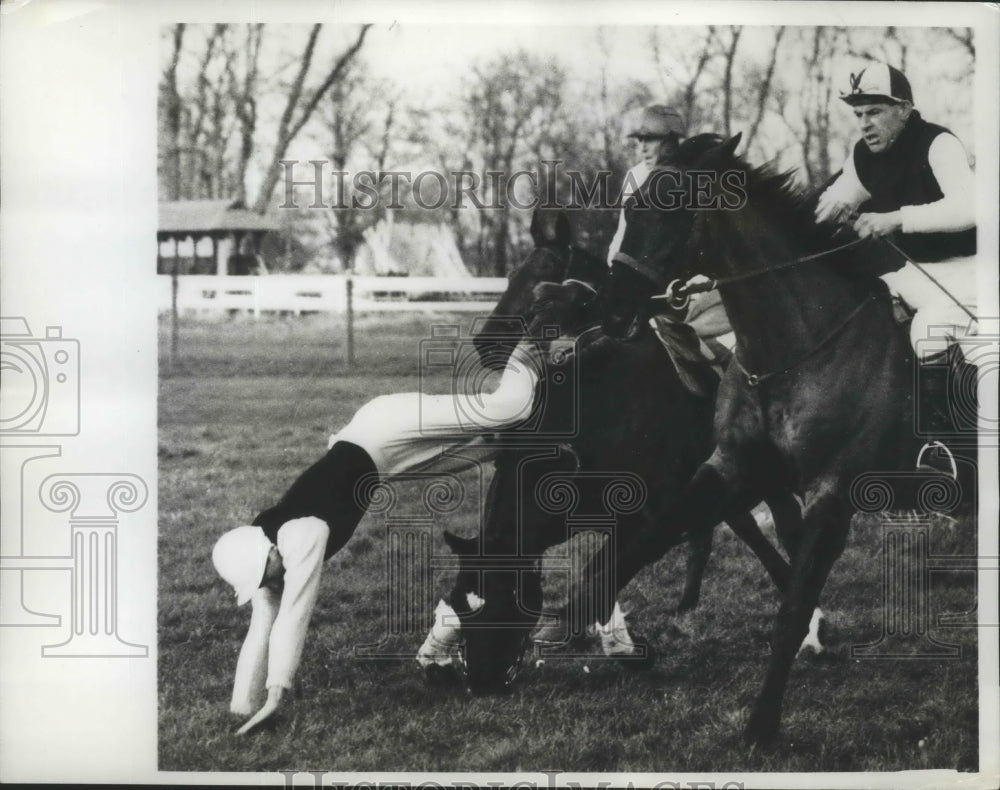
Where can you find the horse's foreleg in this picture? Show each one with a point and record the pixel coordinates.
(699, 550)
(746, 528)
(700, 507)
(787, 515)
(825, 525)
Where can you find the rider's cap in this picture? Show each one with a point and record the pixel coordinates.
(659, 120)
(878, 83)
(240, 557)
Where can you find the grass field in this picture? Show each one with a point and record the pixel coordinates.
(249, 404)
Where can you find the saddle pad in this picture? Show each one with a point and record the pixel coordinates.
(699, 366)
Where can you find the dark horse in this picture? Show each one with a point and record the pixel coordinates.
(640, 435)
(821, 386)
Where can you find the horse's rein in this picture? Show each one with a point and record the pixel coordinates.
(586, 285)
(677, 293)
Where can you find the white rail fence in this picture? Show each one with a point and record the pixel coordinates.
(305, 293)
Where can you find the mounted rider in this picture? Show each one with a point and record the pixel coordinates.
(659, 131)
(910, 180)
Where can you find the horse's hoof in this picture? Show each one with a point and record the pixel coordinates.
(825, 656)
(644, 658)
(759, 742)
(760, 734)
(437, 676)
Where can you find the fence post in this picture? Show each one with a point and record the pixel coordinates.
(350, 322)
(173, 308)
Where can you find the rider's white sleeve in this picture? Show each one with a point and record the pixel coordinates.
(846, 191)
(957, 209)
(302, 543)
(634, 179)
(616, 240)
(251, 667)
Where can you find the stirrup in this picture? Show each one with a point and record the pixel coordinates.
(951, 458)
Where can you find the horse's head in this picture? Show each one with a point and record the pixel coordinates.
(660, 220)
(570, 303)
(497, 606)
(547, 262)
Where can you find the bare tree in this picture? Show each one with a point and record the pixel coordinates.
(821, 46)
(764, 91)
(300, 105)
(244, 93)
(199, 112)
(171, 113)
(727, 79)
(508, 104)
(694, 61)
(357, 110)
(963, 35)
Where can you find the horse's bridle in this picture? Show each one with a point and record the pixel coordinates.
(512, 671)
(756, 379)
(683, 291)
(677, 295)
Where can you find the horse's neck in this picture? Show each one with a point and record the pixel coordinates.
(778, 315)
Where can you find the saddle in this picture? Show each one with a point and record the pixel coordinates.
(699, 364)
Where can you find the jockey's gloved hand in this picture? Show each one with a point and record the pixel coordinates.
(698, 279)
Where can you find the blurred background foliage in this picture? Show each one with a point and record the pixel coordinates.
(235, 100)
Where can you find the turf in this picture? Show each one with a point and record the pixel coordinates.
(246, 404)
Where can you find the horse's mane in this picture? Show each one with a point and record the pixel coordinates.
(775, 194)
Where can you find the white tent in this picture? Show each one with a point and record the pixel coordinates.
(415, 249)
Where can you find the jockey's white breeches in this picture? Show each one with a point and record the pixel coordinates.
(708, 319)
(411, 431)
(938, 318)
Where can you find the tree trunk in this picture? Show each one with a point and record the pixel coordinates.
(245, 104)
(500, 244)
(727, 82)
(765, 88)
(295, 116)
(173, 111)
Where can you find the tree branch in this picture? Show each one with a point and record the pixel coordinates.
(765, 88)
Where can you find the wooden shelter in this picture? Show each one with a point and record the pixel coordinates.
(225, 227)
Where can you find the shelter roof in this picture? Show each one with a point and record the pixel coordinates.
(205, 216)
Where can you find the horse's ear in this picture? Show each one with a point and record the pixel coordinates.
(563, 231)
(549, 227)
(729, 147)
(722, 152)
(462, 547)
(537, 233)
